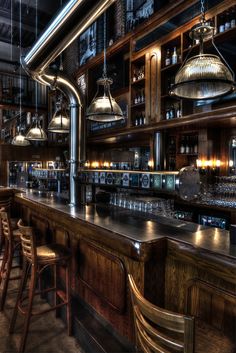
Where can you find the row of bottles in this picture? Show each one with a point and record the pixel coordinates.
(139, 96)
(140, 119)
(171, 58)
(188, 144)
(173, 111)
(227, 20)
(138, 73)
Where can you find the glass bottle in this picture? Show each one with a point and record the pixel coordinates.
(221, 27)
(178, 111)
(167, 113)
(174, 58)
(227, 21)
(232, 18)
(167, 58)
(182, 146)
(187, 145)
(195, 146)
(172, 112)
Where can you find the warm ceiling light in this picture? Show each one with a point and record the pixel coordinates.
(20, 140)
(103, 107)
(60, 122)
(36, 132)
(204, 76)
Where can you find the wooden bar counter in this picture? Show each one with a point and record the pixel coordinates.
(182, 267)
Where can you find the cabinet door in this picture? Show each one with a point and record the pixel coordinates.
(152, 90)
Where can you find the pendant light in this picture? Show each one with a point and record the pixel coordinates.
(19, 139)
(36, 132)
(204, 76)
(60, 122)
(103, 107)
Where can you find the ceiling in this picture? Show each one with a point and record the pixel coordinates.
(12, 25)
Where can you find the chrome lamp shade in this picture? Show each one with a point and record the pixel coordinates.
(203, 76)
(60, 122)
(103, 107)
(20, 140)
(36, 132)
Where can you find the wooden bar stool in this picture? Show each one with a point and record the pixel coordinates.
(37, 259)
(162, 331)
(12, 243)
(5, 205)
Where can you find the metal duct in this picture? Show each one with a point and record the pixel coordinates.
(72, 20)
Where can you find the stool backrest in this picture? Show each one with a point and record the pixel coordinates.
(159, 330)
(28, 241)
(5, 204)
(6, 225)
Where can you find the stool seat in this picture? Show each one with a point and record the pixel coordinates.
(52, 252)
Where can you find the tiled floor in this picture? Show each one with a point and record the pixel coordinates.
(47, 334)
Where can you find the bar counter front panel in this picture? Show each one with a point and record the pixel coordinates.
(167, 262)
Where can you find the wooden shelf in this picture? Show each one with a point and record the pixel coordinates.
(214, 117)
(138, 105)
(171, 67)
(219, 37)
(138, 82)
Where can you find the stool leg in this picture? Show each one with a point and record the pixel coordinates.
(55, 286)
(4, 261)
(68, 298)
(7, 276)
(24, 276)
(29, 309)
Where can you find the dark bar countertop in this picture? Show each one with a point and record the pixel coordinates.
(134, 227)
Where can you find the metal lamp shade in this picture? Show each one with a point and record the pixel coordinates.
(20, 140)
(60, 122)
(104, 108)
(203, 76)
(36, 133)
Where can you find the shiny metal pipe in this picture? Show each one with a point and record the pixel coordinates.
(77, 152)
(73, 19)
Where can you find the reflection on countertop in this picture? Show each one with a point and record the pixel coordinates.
(137, 227)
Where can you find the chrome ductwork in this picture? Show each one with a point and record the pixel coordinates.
(72, 20)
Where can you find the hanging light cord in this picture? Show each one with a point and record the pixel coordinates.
(105, 51)
(203, 11)
(20, 65)
(36, 35)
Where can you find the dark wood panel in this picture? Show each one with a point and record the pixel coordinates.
(104, 274)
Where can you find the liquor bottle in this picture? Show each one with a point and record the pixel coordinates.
(172, 112)
(187, 145)
(135, 76)
(144, 119)
(167, 58)
(136, 99)
(174, 58)
(221, 27)
(195, 145)
(136, 123)
(182, 146)
(141, 119)
(232, 18)
(178, 111)
(227, 21)
(167, 113)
